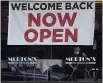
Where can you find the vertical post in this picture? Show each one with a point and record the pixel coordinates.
(34, 71)
(49, 74)
(49, 71)
(51, 52)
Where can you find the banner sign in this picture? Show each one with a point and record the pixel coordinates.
(51, 23)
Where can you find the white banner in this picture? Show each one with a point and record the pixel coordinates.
(51, 23)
